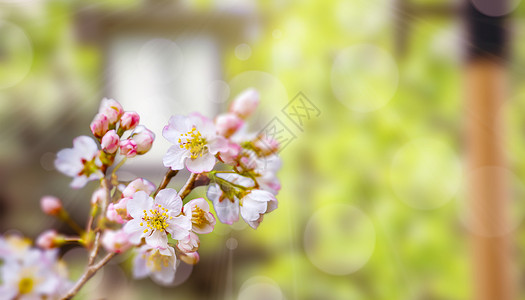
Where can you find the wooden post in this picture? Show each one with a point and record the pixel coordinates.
(487, 193)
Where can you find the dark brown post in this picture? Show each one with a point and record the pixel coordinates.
(487, 192)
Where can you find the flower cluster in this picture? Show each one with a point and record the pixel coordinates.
(30, 273)
(160, 224)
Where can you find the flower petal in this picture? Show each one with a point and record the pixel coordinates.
(204, 163)
(169, 199)
(177, 125)
(134, 231)
(85, 146)
(175, 157)
(179, 227)
(157, 239)
(227, 211)
(140, 202)
(68, 162)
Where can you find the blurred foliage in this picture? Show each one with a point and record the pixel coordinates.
(342, 157)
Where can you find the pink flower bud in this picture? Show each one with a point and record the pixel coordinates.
(110, 141)
(139, 184)
(116, 241)
(266, 145)
(189, 244)
(245, 104)
(128, 148)
(230, 155)
(100, 125)
(99, 196)
(144, 139)
(191, 258)
(49, 239)
(118, 212)
(228, 124)
(129, 120)
(111, 109)
(51, 205)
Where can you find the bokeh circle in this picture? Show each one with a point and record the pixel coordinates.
(425, 173)
(339, 239)
(16, 54)
(364, 77)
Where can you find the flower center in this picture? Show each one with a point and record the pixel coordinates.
(198, 216)
(156, 261)
(156, 218)
(194, 142)
(25, 285)
(90, 167)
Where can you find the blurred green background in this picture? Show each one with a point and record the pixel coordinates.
(371, 199)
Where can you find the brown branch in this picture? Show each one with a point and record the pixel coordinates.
(188, 186)
(90, 272)
(169, 174)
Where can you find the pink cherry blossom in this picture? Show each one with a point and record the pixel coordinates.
(153, 219)
(80, 162)
(110, 141)
(202, 219)
(51, 205)
(160, 263)
(231, 153)
(188, 244)
(245, 104)
(128, 148)
(196, 143)
(111, 109)
(99, 126)
(118, 212)
(129, 120)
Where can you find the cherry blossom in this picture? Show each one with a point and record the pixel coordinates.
(202, 219)
(80, 162)
(196, 143)
(153, 219)
(158, 262)
(111, 109)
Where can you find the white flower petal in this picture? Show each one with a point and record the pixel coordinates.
(177, 125)
(157, 239)
(134, 230)
(254, 204)
(169, 199)
(68, 162)
(204, 163)
(227, 211)
(217, 144)
(179, 227)
(140, 202)
(175, 157)
(85, 146)
(140, 268)
(79, 182)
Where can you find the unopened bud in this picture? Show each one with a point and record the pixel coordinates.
(128, 148)
(144, 139)
(228, 124)
(111, 109)
(129, 120)
(110, 141)
(116, 241)
(49, 239)
(51, 205)
(100, 125)
(245, 104)
(191, 258)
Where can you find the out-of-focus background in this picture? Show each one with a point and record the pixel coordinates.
(372, 200)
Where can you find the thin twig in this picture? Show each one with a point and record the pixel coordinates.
(94, 251)
(90, 272)
(188, 186)
(169, 174)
